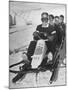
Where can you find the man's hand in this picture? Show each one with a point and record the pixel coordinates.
(35, 33)
(45, 34)
(50, 38)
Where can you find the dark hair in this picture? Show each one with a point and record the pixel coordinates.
(51, 16)
(44, 13)
(57, 17)
(62, 16)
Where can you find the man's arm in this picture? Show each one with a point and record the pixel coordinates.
(36, 34)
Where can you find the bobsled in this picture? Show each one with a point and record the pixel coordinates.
(37, 58)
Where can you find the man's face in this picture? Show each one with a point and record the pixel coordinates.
(57, 21)
(50, 19)
(61, 19)
(44, 18)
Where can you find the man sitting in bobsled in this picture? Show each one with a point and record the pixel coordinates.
(44, 31)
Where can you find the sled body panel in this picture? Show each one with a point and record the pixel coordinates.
(39, 54)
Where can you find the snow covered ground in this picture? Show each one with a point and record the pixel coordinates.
(20, 35)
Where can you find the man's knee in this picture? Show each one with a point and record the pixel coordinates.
(31, 48)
